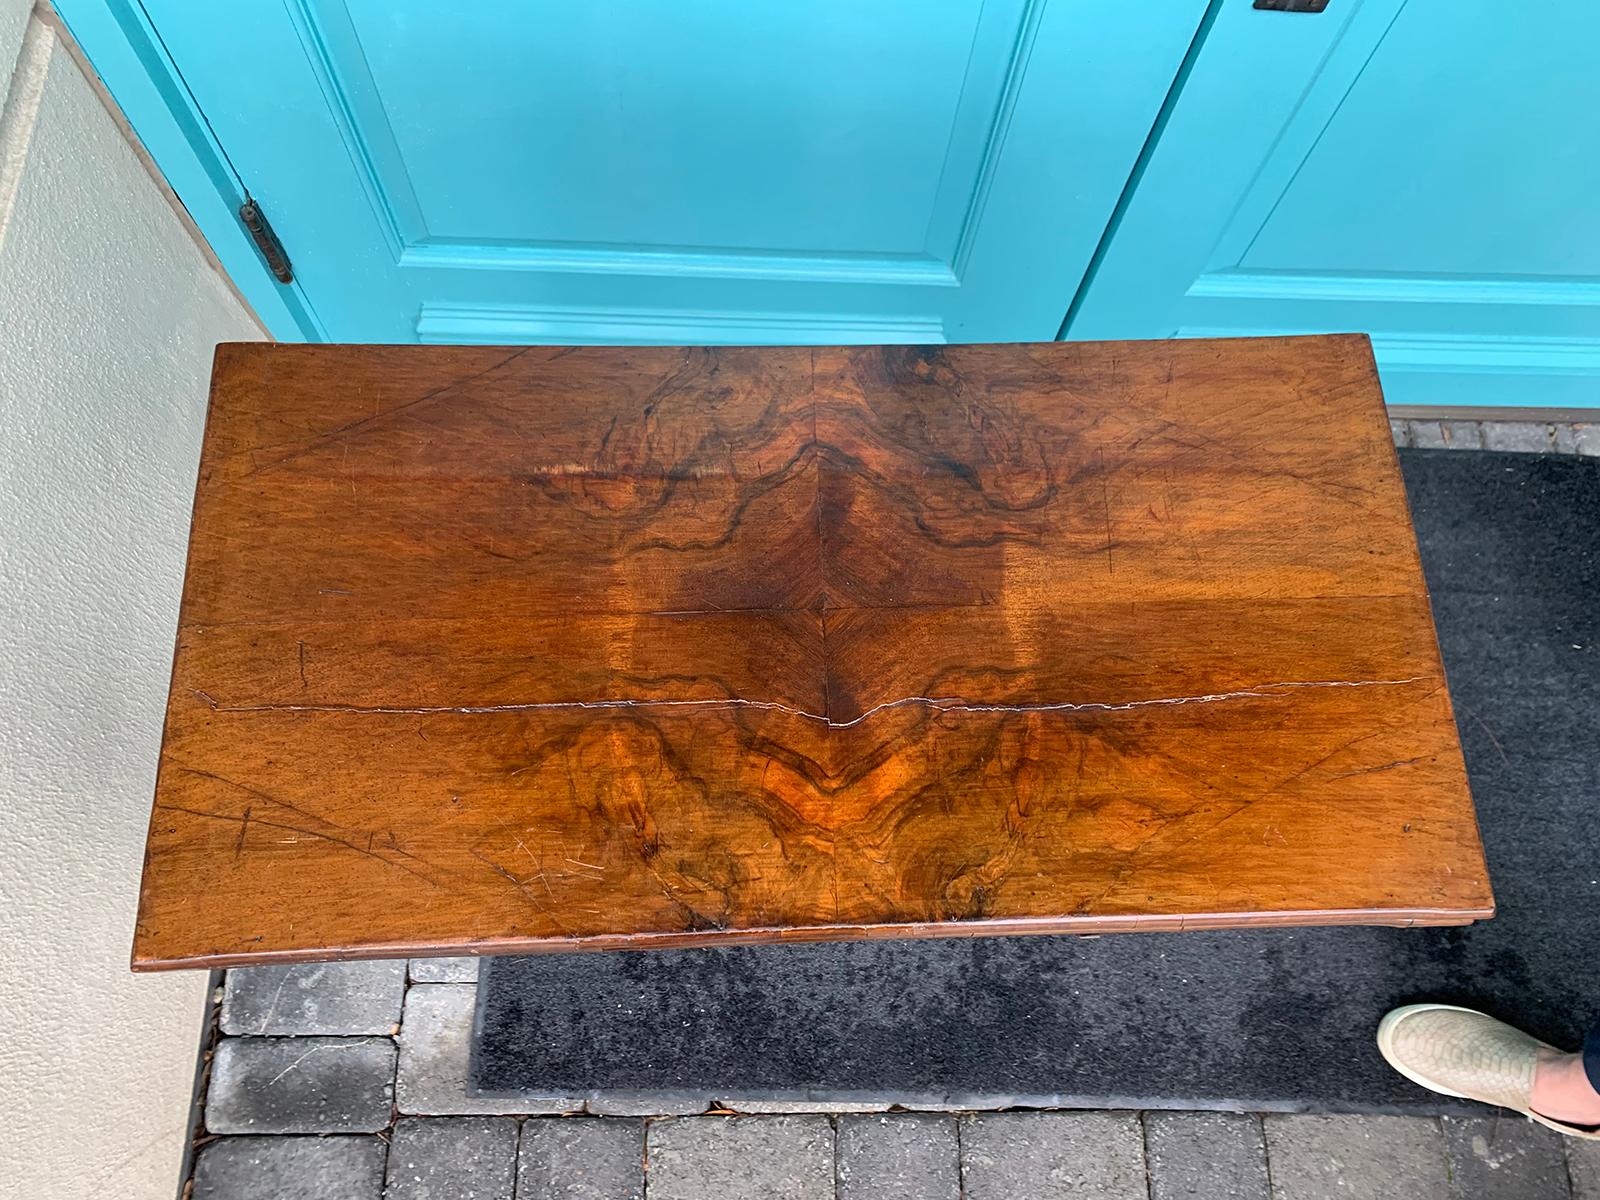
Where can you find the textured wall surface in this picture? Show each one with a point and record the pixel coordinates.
(108, 315)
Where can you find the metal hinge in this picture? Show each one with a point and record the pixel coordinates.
(1305, 6)
(266, 241)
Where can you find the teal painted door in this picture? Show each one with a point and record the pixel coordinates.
(683, 171)
(1426, 172)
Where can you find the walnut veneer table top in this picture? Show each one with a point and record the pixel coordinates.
(489, 649)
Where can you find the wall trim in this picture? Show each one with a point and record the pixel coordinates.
(496, 325)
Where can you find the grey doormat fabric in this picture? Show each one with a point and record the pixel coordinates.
(1266, 1020)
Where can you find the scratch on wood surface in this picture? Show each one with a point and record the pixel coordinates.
(364, 423)
(522, 888)
(302, 831)
(1388, 766)
(1105, 504)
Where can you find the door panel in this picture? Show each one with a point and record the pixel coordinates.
(1387, 166)
(1441, 159)
(773, 161)
(638, 170)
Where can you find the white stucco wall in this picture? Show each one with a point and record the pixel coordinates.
(108, 316)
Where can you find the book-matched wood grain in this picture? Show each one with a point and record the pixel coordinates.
(555, 648)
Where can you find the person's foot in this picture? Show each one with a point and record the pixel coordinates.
(1561, 1088)
(1463, 1053)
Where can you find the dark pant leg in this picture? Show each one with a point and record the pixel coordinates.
(1591, 1056)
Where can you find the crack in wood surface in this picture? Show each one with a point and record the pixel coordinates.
(941, 703)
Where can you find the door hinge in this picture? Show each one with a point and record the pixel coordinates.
(1305, 6)
(266, 241)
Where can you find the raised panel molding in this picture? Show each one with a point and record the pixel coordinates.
(1501, 356)
(994, 142)
(1463, 352)
(332, 48)
(493, 325)
(398, 227)
(683, 263)
(1437, 340)
(1463, 370)
(1404, 289)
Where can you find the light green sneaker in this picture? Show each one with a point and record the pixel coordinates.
(1460, 1052)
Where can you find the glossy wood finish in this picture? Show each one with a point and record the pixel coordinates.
(494, 649)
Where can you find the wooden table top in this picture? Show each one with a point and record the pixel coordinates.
(490, 649)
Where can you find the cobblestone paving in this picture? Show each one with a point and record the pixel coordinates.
(346, 1081)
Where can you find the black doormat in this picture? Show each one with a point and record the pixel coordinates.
(1263, 1019)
